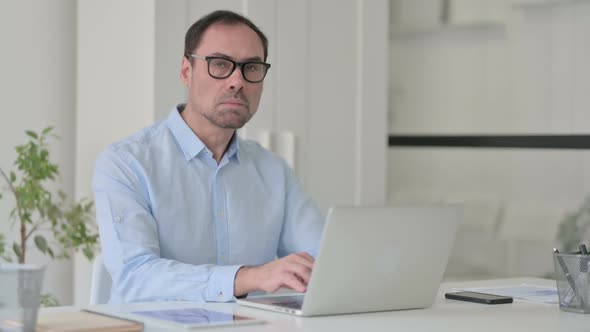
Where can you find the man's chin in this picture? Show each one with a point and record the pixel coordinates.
(231, 124)
(230, 119)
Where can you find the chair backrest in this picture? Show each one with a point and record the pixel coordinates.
(100, 291)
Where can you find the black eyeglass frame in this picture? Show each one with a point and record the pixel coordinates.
(235, 64)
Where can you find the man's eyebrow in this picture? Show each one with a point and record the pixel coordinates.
(254, 58)
(250, 59)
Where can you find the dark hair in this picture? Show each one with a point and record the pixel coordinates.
(195, 32)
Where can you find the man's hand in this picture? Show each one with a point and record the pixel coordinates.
(292, 271)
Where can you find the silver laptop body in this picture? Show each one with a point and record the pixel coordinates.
(374, 259)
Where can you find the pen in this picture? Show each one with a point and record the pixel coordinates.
(569, 279)
(583, 259)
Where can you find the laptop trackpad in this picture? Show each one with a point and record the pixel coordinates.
(288, 301)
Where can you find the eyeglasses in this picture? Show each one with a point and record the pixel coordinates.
(220, 68)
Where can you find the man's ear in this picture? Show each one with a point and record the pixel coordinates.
(186, 70)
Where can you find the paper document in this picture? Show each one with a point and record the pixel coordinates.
(533, 293)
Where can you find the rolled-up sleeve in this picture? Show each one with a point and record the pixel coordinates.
(130, 242)
(303, 222)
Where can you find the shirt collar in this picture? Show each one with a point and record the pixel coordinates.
(190, 144)
(233, 151)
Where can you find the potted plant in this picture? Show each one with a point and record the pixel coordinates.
(574, 229)
(39, 212)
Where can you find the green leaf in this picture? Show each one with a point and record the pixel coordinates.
(32, 134)
(48, 300)
(50, 252)
(41, 243)
(89, 253)
(2, 244)
(12, 177)
(47, 130)
(88, 206)
(16, 250)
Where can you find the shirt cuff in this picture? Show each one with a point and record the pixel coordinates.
(221, 287)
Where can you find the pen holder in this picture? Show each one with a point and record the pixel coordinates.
(573, 282)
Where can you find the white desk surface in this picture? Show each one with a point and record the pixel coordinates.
(444, 315)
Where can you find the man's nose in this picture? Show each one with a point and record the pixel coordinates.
(236, 79)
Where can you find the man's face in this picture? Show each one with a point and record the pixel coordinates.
(230, 102)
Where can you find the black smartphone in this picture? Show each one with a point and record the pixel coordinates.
(479, 297)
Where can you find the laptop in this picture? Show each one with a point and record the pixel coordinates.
(374, 259)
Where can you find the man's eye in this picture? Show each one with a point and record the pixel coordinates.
(253, 67)
(220, 64)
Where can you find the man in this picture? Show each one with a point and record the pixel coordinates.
(189, 211)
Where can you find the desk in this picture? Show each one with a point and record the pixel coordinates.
(444, 315)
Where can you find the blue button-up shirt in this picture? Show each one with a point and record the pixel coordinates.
(175, 225)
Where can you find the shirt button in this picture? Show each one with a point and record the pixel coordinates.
(117, 219)
(220, 214)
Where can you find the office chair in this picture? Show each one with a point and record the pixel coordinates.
(100, 290)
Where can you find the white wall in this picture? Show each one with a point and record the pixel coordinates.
(171, 24)
(37, 89)
(513, 69)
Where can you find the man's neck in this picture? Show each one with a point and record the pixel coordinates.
(215, 139)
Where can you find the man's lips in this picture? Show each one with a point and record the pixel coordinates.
(233, 102)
